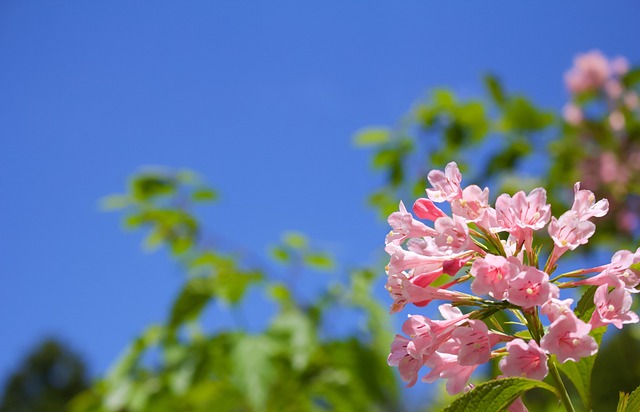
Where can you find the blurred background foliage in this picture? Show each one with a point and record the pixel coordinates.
(291, 363)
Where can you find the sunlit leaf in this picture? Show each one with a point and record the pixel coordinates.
(495, 395)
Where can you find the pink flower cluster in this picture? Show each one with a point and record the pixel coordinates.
(604, 107)
(493, 249)
(594, 73)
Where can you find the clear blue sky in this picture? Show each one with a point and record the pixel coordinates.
(262, 98)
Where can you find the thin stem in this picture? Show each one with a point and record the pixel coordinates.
(579, 273)
(564, 395)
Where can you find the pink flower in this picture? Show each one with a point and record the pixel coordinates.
(408, 366)
(612, 308)
(570, 231)
(405, 226)
(527, 360)
(619, 272)
(446, 186)
(619, 66)
(472, 205)
(521, 214)
(428, 335)
(572, 114)
(492, 275)
(403, 290)
(589, 72)
(444, 364)
(425, 209)
(613, 88)
(584, 203)
(568, 338)
(616, 121)
(475, 348)
(452, 235)
(531, 288)
(554, 308)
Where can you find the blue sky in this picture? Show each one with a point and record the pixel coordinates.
(262, 99)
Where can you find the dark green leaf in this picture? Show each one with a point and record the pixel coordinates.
(147, 186)
(632, 77)
(194, 296)
(586, 305)
(495, 395)
(495, 89)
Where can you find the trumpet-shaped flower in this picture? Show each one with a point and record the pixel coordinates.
(612, 307)
(475, 347)
(492, 275)
(524, 359)
(522, 214)
(446, 186)
(531, 288)
(405, 226)
(568, 338)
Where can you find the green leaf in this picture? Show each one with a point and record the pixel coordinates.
(633, 401)
(231, 285)
(585, 305)
(495, 395)
(495, 89)
(253, 370)
(579, 373)
(300, 334)
(372, 136)
(114, 202)
(319, 261)
(295, 240)
(192, 299)
(280, 254)
(521, 115)
(204, 195)
(632, 77)
(443, 98)
(148, 185)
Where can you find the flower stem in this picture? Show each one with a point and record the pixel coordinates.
(564, 395)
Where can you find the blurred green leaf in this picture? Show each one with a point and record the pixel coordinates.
(372, 136)
(295, 240)
(632, 77)
(114, 202)
(147, 186)
(204, 195)
(195, 295)
(319, 261)
(280, 254)
(495, 89)
(253, 371)
(444, 98)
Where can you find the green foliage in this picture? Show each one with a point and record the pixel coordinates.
(285, 366)
(629, 402)
(495, 395)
